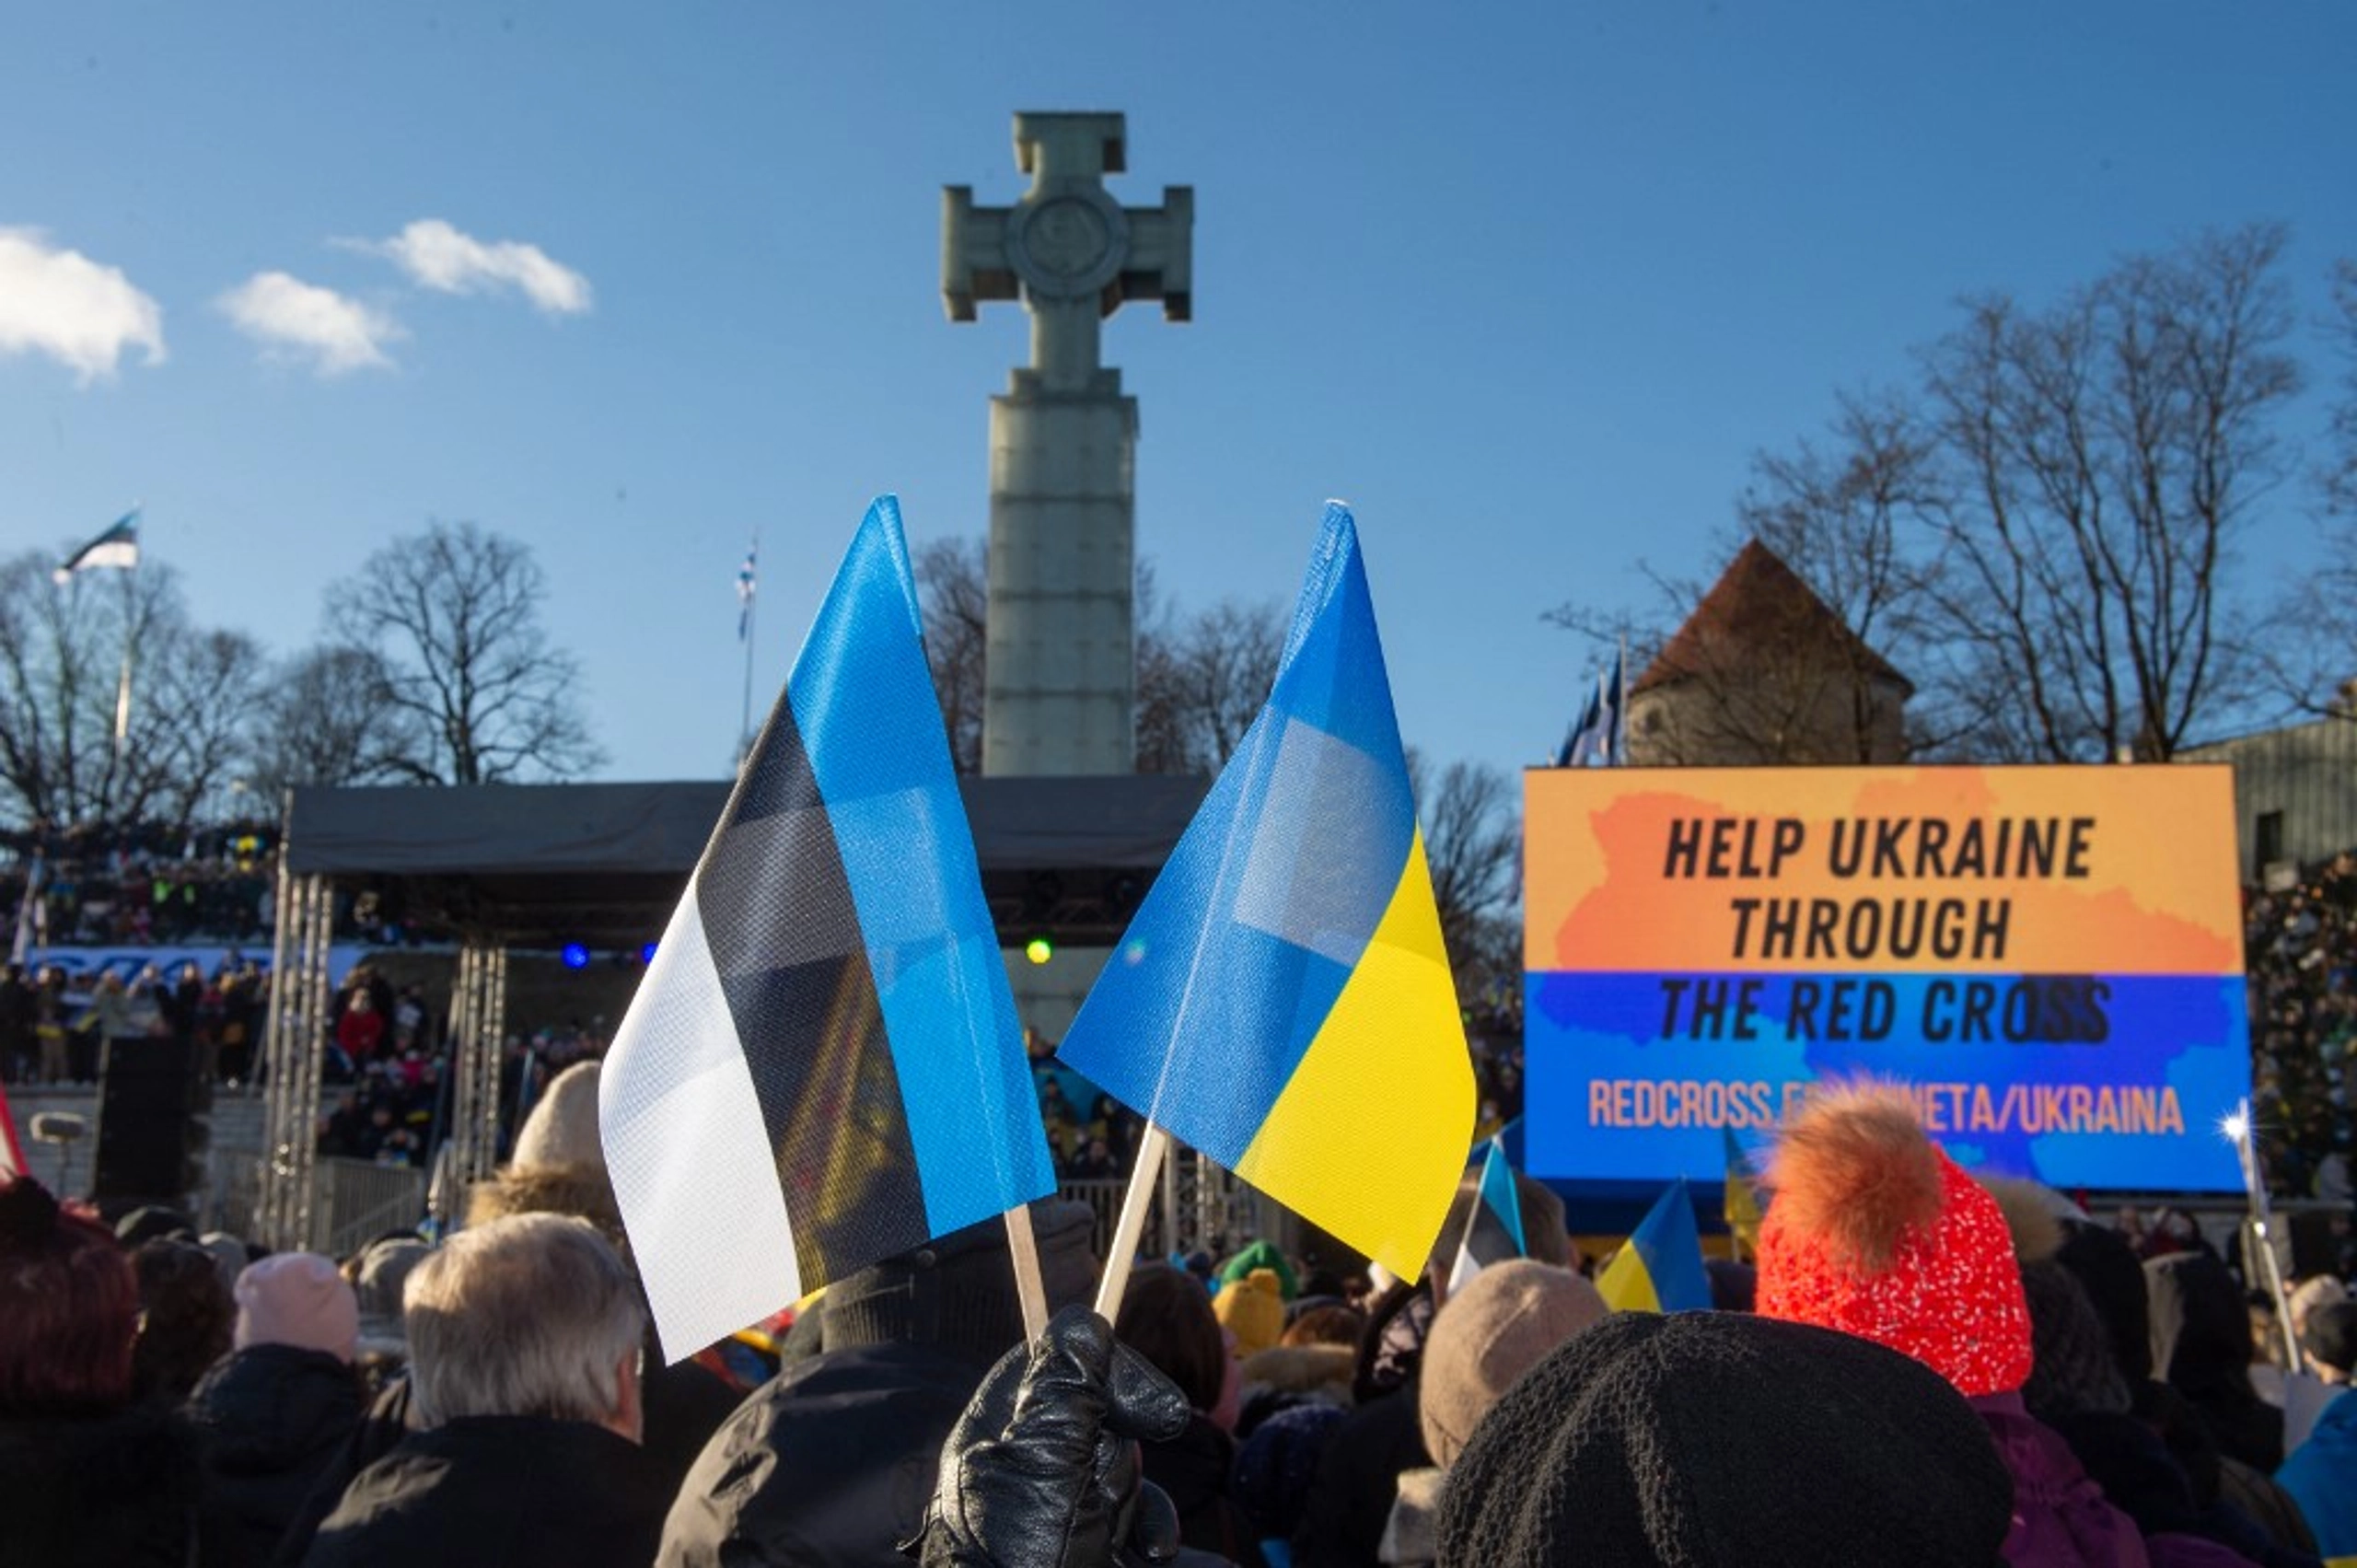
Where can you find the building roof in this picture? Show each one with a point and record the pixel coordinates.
(1758, 602)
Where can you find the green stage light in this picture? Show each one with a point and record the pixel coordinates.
(1038, 949)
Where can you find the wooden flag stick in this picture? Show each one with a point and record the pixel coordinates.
(1030, 1286)
(1151, 1149)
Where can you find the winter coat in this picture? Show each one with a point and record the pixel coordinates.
(2060, 1518)
(106, 1491)
(2321, 1476)
(270, 1419)
(1286, 1375)
(1193, 1468)
(519, 1491)
(2142, 1479)
(828, 1465)
(1357, 1481)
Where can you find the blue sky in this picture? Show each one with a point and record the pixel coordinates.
(1527, 284)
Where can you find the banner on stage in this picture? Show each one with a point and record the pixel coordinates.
(2049, 957)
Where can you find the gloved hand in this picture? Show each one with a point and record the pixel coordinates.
(1041, 1472)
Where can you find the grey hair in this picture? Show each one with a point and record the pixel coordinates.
(531, 1315)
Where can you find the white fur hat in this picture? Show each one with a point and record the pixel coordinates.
(563, 1128)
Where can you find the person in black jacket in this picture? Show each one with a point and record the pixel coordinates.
(524, 1336)
(829, 1463)
(274, 1413)
(88, 1474)
(1166, 1318)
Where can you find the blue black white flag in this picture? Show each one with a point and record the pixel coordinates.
(118, 547)
(823, 1066)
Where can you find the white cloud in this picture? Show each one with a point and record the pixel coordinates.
(76, 311)
(299, 321)
(437, 256)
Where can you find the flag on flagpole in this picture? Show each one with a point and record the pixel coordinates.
(1493, 1232)
(118, 547)
(1616, 702)
(822, 1068)
(1580, 743)
(1597, 738)
(1661, 1268)
(746, 581)
(1282, 1000)
(1742, 1196)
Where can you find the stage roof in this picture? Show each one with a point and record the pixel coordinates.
(534, 865)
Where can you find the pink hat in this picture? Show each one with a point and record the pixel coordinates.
(296, 1298)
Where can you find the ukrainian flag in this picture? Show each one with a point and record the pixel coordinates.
(823, 1066)
(1743, 1210)
(1282, 1000)
(1661, 1268)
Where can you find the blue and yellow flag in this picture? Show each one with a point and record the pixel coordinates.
(1282, 1000)
(1742, 1196)
(822, 1065)
(1661, 1268)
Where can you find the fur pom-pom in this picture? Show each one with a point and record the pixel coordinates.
(2029, 1214)
(1855, 1170)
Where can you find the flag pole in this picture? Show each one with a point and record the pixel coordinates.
(750, 592)
(21, 948)
(130, 641)
(1152, 1150)
(1030, 1287)
(2260, 1225)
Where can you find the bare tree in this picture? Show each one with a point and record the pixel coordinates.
(2307, 650)
(199, 729)
(2340, 470)
(1202, 679)
(329, 718)
(953, 599)
(63, 652)
(1473, 847)
(2101, 458)
(2041, 535)
(1203, 682)
(453, 615)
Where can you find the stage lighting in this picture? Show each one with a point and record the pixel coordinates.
(576, 956)
(646, 954)
(1040, 950)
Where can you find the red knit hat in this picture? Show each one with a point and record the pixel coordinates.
(1875, 1232)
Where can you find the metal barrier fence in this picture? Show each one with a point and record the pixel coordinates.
(351, 1201)
(1201, 1206)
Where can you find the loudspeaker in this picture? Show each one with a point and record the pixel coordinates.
(150, 1139)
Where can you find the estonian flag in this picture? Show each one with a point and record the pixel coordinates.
(823, 1066)
(1661, 1268)
(1282, 1000)
(1493, 1231)
(118, 546)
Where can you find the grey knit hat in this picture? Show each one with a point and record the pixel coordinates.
(1715, 1438)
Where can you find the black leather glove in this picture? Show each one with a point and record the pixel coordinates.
(1041, 1472)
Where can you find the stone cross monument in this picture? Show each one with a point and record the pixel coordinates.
(1060, 693)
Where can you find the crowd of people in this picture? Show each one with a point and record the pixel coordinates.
(55, 1029)
(140, 883)
(1916, 1367)
(2300, 956)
